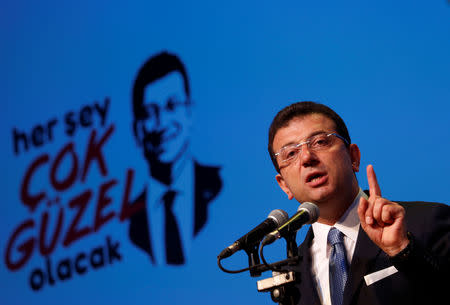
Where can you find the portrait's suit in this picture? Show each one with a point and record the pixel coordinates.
(207, 184)
(414, 283)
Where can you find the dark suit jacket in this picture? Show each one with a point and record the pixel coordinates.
(422, 278)
(207, 186)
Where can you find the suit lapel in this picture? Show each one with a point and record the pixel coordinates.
(207, 185)
(363, 259)
(139, 229)
(307, 287)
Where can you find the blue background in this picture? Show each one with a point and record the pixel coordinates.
(383, 66)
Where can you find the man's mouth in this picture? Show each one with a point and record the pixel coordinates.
(156, 138)
(316, 179)
(171, 132)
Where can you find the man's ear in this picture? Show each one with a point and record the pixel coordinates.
(282, 183)
(355, 156)
(138, 132)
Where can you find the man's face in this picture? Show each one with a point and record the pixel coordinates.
(316, 176)
(164, 132)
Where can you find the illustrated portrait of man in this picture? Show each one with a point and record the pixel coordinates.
(179, 189)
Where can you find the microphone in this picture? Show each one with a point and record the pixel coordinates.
(307, 212)
(275, 219)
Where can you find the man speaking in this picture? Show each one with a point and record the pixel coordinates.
(364, 248)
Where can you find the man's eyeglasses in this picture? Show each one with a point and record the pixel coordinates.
(318, 142)
(152, 110)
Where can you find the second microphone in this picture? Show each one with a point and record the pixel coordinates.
(275, 219)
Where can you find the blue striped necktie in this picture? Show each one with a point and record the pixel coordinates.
(338, 266)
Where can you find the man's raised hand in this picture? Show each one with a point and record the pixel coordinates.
(381, 219)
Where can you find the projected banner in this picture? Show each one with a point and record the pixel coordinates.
(67, 194)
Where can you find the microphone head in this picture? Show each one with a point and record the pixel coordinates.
(279, 216)
(311, 209)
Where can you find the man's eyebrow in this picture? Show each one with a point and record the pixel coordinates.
(171, 98)
(305, 139)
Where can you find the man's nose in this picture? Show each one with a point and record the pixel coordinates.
(165, 116)
(157, 117)
(154, 121)
(161, 117)
(307, 157)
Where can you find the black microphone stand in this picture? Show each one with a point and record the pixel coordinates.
(282, 283)
(253, 260)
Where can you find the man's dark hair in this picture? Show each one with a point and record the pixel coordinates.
(300, 109)
(153, 69)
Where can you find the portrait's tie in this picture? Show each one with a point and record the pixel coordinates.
(174, 251)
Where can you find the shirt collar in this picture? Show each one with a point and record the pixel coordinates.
(347, 224)
(183, 181)
(184, 175)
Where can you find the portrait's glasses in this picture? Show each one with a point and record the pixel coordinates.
(152, 111)
(321, 141)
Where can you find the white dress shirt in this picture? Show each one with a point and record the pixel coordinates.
(348, 224)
